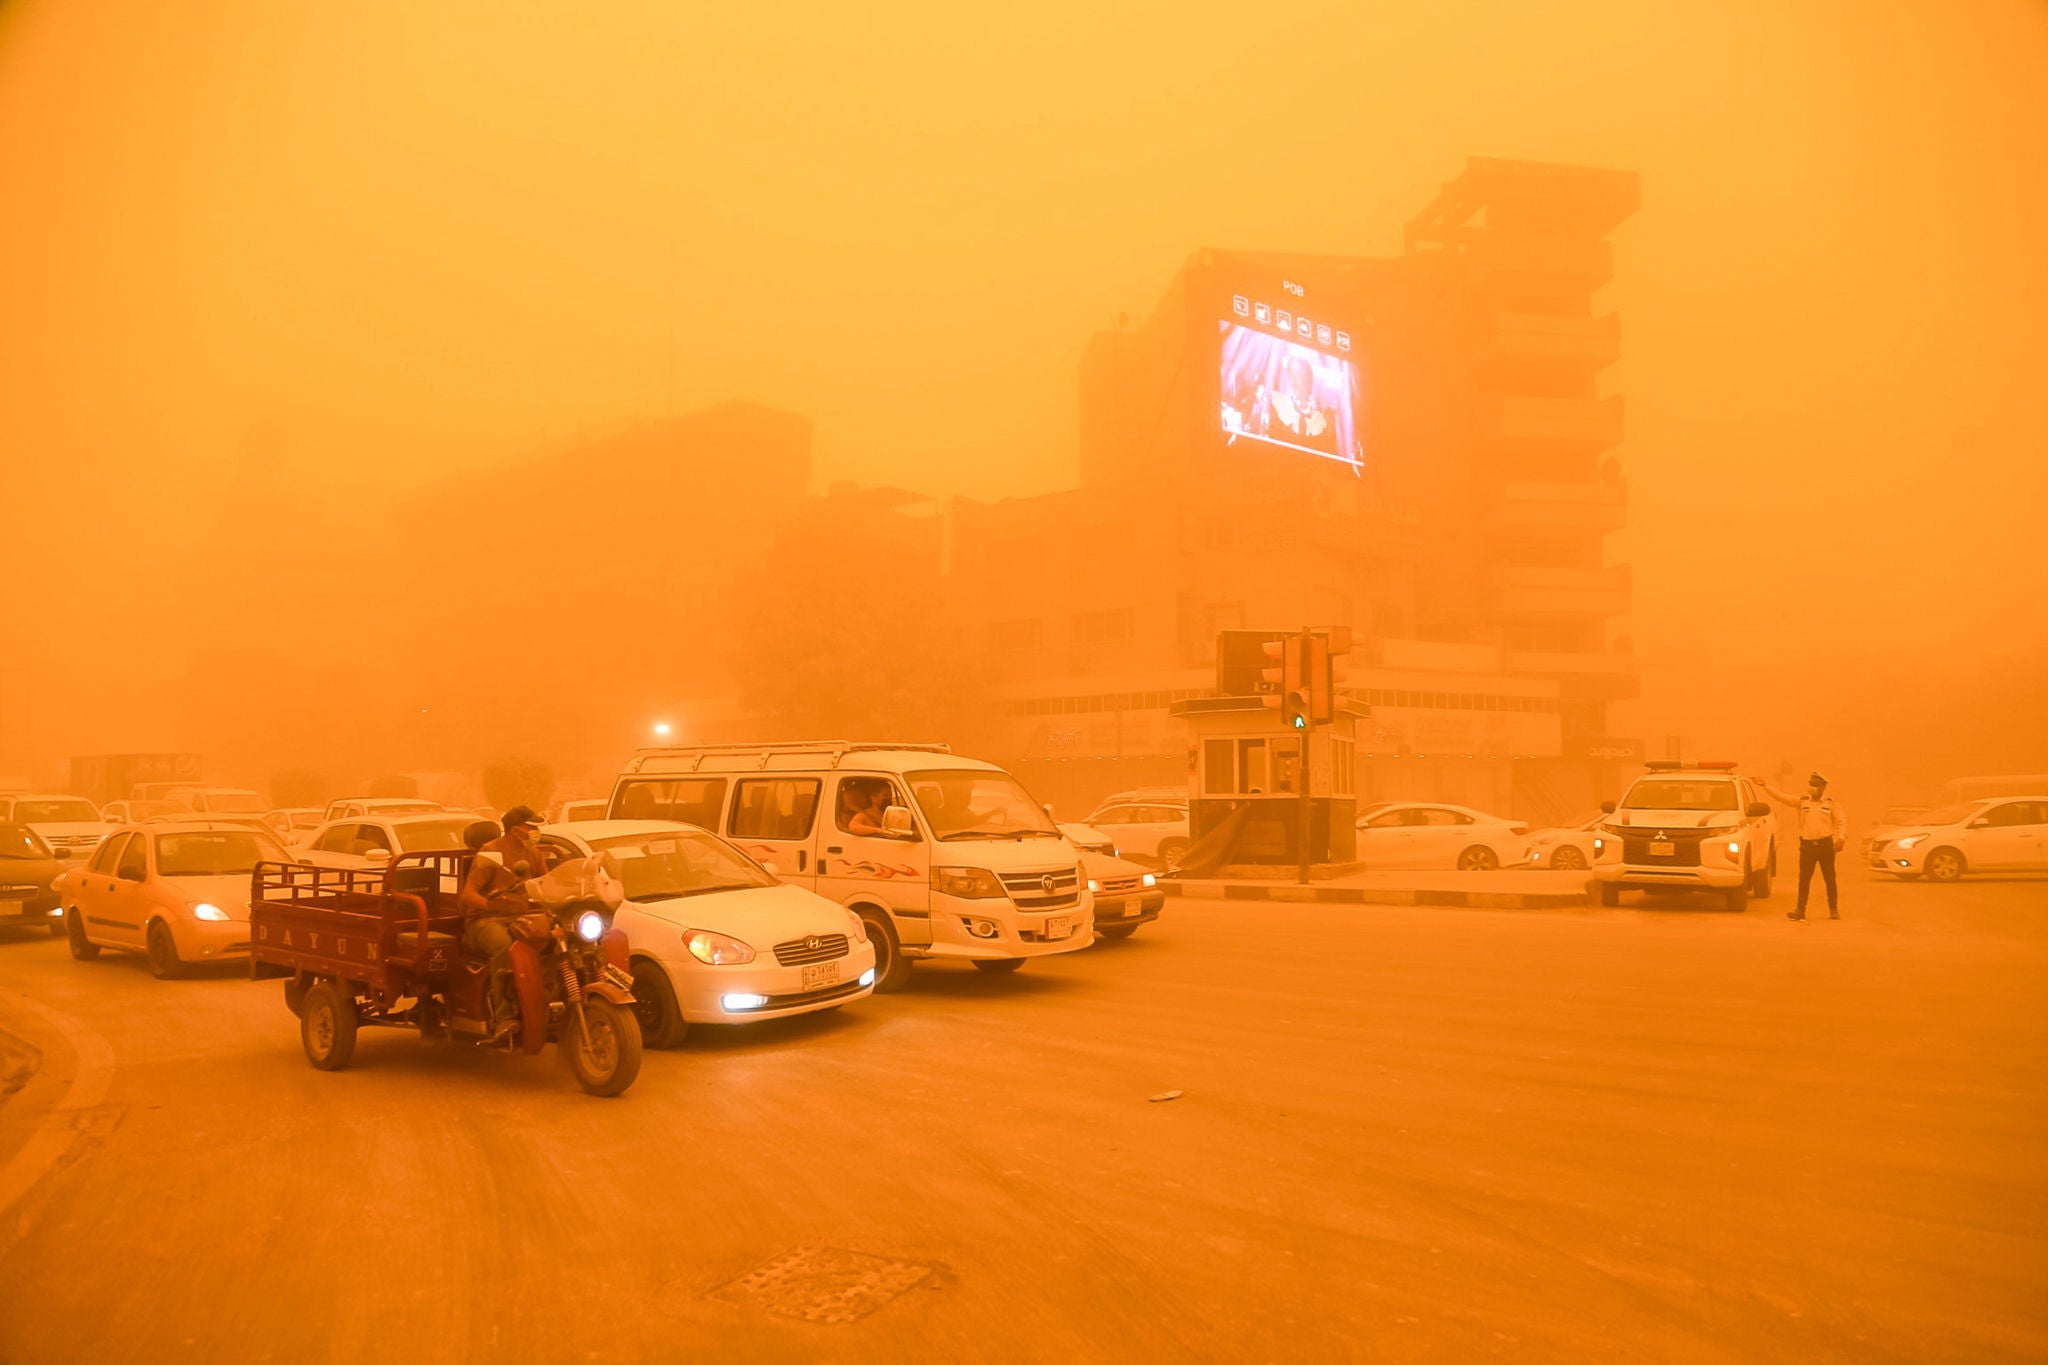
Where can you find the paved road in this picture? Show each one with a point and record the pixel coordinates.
(1404, 1134)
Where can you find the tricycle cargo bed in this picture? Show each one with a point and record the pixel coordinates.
(385, 928)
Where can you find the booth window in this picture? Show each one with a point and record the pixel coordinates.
(1219, 777)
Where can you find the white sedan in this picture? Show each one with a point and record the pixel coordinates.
(372, 840)
(2000, 835)
(715, 938)
(1567, 849)
(1424, 835)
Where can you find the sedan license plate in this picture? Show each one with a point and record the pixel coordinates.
(1059, 926)
(1662, 848)
(13, 907)
(821, 974)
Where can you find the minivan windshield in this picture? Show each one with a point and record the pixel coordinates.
(679, 862)
(967, 804)
(1678, 793)
(215, 853)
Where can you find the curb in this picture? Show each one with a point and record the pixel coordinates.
(1364, 895)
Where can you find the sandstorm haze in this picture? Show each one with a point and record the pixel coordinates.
(268, 271)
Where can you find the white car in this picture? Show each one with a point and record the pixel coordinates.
(220, 800)
(174, 890)
(134, 812)
(294, 824)
(378, 805)
(1701, 827)
(1126, 895)
(1087, 838)
(373, 840)
(1568, 848)
(71, 825)
(1895, 821)
(1147, 826)
(1996, 835)
(1429, 835)
(715, 937)
(588, 808)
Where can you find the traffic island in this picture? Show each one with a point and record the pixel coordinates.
(1457, 890)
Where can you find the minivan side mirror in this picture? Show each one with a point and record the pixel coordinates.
(1607, 808)
(1759, 809)
(771, 869)
(897, 824)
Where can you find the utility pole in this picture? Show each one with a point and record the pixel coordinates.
(1304, 722)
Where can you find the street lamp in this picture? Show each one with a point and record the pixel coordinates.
(661, 729)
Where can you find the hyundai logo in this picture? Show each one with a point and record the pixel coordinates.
(813, 943)
(1048, 883)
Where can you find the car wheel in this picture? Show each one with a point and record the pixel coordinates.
(1478, 858)
(1610, 894)
(327, 1026)
(892, 969)
(1760, 883)
(1736, 898)
(1568, 859)
(1118, 931)
(654, 1004)
(82, 948)
(998, 964)
(1171, 851)
(164, 962)
(1943, 865)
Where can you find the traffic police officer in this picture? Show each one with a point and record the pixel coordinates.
(1822, 831)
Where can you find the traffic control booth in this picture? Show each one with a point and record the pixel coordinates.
(1244, 784)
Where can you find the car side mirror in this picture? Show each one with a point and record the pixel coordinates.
(1607, 808)
(1759, 809)
(1981, 822)
(897, 824)
(771, 869)
(378, 855)
(1048, 810)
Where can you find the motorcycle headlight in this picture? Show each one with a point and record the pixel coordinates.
(590, 926)
(859, 932)
(207, 910)
(716, 950)
(968, 883)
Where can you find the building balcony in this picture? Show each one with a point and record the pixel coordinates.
(1514, 424)
(1582, 677)
(1521, 509)
(1546, 344)
(1552, 593)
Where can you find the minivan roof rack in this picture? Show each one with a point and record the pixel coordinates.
(833, 750)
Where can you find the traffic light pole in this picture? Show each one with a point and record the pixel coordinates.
(1301, 770)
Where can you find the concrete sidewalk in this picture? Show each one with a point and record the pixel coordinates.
(1467, 890)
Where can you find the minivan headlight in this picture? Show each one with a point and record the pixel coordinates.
(968, 883)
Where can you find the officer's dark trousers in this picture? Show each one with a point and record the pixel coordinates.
(1817, 853)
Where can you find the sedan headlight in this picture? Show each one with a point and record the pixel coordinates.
(968, 883)
(1094, 886)
(859, 930)
(206, 910)
(1148, 880)
(1911, 841)
(716, 950)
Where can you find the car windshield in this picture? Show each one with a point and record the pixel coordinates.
(62, 810)
(19, 841)
(978, 805)
(417, 836)
(1949, 815)
(680, 862)
(1680, 793)
(215, 852)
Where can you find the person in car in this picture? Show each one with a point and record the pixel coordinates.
(868, 820)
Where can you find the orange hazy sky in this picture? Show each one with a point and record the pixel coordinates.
(407, 238)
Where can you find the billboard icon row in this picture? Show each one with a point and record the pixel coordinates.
(1318, 332)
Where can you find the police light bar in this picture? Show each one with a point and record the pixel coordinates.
(1663, 765)
(1719, 765)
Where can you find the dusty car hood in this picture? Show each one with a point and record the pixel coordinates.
(230, 893)
(759, 916)
(21, 872)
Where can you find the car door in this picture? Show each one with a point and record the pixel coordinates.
(1146, 827)
(1442, 836)
(774, 820)
(1386, 841)
(94, 882)
(125, 907)
(2001, 838)
(896, 872)
(2034, 851)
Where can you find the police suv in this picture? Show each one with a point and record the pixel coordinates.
(1687, 827)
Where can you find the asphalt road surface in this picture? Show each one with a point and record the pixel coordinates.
(1659, 1134)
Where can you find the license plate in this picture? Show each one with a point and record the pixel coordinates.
(1662, 848)
(821, 974)
(1109, 909)
(1059, 927)
(11, 907)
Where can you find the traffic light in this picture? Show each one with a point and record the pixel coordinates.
(1284, 683)
(1320, 682)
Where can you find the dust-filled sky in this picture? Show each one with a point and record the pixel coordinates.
(395, 239)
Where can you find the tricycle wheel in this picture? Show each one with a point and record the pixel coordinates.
(327, 1025)
(295, 995)
(605, 1052)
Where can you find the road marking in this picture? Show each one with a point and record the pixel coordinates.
(71, 1116)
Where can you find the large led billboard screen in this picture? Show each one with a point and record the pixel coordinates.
(1290, 380)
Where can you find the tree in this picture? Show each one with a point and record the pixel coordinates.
(518, 782)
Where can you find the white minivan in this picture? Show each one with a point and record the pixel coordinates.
(940, 856)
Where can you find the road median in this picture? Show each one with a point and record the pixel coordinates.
(1451, 890)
